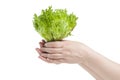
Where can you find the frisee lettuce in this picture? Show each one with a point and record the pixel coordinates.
(54, 25)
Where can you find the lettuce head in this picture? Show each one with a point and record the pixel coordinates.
(54, 25)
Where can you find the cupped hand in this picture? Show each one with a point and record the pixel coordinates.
(63, 52)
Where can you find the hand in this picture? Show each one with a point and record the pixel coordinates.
(75, 52)
(63, 52)
(66, 52)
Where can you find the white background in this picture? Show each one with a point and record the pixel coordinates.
(98, 26)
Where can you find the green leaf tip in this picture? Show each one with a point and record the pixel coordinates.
(54, 25)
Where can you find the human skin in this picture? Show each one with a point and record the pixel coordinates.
(95, 75)
(73, 52)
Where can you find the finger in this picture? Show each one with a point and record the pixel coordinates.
(41, 44)
(44, 59)
(43, 41)
(48, 55)
(48, 60)
(56, 61)
(52, 50)
(56, 44)
(52, 56)
(39, 51)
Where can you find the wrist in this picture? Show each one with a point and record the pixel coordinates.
(89, 57)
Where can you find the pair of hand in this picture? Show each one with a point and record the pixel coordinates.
(75, 52)
(63, 52)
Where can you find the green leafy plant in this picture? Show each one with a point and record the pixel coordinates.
(54, 25)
